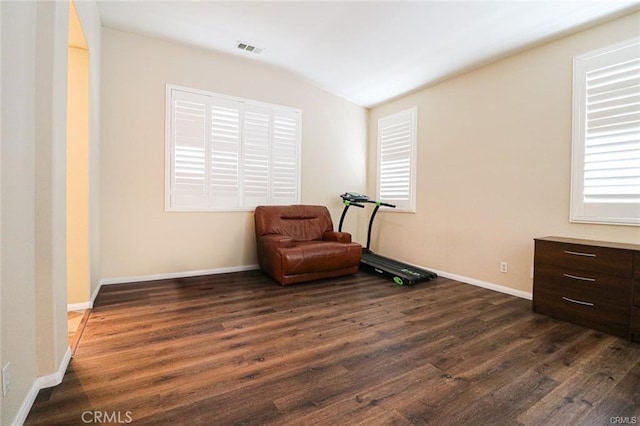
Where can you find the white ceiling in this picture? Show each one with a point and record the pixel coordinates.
(366, 52)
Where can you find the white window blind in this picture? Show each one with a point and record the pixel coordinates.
(397, 135)
(188, 150)
(606, 138)
(224, 147)
(226, 153)
(285, 137)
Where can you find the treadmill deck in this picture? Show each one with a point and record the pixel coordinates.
(399, 272)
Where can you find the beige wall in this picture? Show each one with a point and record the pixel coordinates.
(18, 141)
(33, 241)
(1, 294)
(50, 185)
(494, 150)
(33, 233)
(138, 237)
(92, 30)
(78, 274)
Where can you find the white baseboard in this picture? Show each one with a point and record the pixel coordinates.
(484, 284)
(85, 305)
(23, 412)
(171, 275)
(41, 382)
(79, 306)
(55, 379)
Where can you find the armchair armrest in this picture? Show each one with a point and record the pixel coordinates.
(340, 237)
(273, 241)
(268, 245)
(268, 252)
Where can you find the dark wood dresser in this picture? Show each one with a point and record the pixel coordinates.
(595, 284)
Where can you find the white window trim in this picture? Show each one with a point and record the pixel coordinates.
(580, 211)
(169, 147)
(405, 206)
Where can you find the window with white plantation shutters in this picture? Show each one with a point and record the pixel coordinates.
(605, 185)
(397, 135)
(226, 153)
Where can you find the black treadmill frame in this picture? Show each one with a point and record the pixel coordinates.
(399, 272)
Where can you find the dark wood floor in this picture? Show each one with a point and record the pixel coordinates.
(240, 349)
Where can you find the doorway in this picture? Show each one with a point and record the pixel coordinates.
(78, 269)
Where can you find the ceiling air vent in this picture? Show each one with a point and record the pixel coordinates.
(249, 48)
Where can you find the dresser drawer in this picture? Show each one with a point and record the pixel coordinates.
(585, 258)
(582, 285)
(636, 266)
(610, 318)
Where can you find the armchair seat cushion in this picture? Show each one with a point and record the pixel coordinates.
(297, 243)
(319, 256)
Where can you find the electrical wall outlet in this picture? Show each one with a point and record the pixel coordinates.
(6, 379)
(503, 267)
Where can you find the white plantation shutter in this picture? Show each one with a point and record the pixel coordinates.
(612, 139)
(397, 135)
(188, 177)
(285, 154)
(257, 156)
(606, 140)
(224, 153)
(227, 153)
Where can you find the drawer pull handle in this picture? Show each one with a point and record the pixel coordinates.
(577, 253)
(575, 277)
(579, 302)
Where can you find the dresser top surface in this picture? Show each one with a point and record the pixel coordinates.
(607, 244)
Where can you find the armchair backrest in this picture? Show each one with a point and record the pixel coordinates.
(300, 222)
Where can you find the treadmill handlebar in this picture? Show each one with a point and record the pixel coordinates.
(351, 203)
(380, 203)
(353, 199)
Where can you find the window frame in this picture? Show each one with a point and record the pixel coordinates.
(209, 204)
(606, 213)
(410, 115)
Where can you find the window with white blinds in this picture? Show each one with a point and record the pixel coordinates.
(397, 135)
(605, 185)
(226, 153)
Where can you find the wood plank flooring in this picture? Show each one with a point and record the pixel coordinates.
(239, 349)
(76, 321)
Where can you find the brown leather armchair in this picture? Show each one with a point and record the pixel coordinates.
(297, 243)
